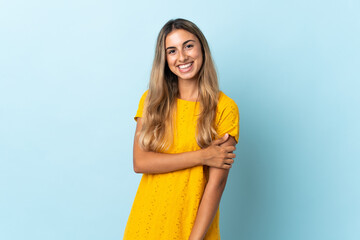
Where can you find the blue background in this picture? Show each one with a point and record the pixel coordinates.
(72, 73)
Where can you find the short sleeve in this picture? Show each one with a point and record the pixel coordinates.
(227, 117)
(139, 111)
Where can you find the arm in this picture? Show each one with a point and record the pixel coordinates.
(153, 162)
(211, 199)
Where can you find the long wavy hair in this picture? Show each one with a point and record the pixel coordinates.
(160, 104)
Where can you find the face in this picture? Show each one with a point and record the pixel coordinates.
(183, 54)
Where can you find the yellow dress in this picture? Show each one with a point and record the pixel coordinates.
(166, 204)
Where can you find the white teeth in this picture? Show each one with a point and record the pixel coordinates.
(185, 66)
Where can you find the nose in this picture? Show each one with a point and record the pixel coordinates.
(182, 56)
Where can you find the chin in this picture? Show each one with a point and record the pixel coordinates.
(187, 76)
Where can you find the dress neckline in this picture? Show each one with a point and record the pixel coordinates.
(179, 99)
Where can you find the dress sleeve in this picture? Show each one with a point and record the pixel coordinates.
(139, 111)
(228, 118)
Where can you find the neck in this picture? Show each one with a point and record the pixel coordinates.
(188, 89)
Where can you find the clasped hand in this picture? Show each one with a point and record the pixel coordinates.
(219, 156)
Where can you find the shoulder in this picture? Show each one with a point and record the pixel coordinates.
(226, 107)
(142, 99)
(139, 112)
(227, 116)
(143, 96)
(225, 101)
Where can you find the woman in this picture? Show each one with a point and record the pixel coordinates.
(185, 136)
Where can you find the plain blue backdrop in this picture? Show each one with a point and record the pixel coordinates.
(72, 73)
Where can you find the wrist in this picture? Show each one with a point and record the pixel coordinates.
(200, 157)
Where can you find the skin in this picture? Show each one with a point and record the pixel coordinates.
(216, 156)
(211, 198)
(182, 48)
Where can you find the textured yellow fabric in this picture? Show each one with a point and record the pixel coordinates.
(166, 204)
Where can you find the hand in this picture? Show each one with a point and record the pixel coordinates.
(218, 156)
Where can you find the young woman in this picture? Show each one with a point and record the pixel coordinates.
(185, 136)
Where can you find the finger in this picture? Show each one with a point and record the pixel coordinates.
(231, 155)
(222, 139)
(230, 148)
(229, 161)
(227, 166)
(224, 166)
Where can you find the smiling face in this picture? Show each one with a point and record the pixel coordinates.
(183, 54)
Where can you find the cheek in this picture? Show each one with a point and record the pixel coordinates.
(198, 54)
(171, 66)
(200, 57)
(170, 62)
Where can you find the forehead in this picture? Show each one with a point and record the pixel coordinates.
(177, 37)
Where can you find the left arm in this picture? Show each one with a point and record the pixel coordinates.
(211, 198)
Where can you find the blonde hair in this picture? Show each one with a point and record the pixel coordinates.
(160, 104)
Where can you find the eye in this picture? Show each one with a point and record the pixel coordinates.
(171, 51)
(189, 46)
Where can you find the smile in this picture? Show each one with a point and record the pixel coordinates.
(185, 67)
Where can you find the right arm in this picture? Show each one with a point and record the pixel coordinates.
(153, 162)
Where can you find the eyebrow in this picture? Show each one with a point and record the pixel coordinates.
(182, 44)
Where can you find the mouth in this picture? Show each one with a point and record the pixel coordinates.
(183, 68)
